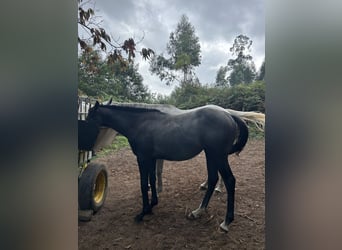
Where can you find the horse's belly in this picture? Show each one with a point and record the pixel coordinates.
(177, 151)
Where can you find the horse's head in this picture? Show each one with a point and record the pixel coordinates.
(94, 115)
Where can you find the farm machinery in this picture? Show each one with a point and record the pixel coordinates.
(93, 177)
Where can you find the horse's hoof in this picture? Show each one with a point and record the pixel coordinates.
(154, 203)
(224, 226)
(196, 213)
(218, 190)
(147, 211)
(139, 218)
(191, 216)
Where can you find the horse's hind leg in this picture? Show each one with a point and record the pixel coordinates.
(229, 181)
(159, 169)
(218, 188)
(152, 178)
(212, 180)
(219, 185)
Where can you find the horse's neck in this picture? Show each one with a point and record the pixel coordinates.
(123, 121)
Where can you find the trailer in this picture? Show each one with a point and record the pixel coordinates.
(93, 177)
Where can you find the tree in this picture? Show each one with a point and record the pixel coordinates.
(91, 76)
(184, 51)
(241, 73)
(249, 97)
(242, 68)
(100, 80)
(189, 95)
(101, 39)
(221, 78)
(261, 73)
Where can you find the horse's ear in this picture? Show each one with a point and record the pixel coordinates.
(97, 104)
(110, 101)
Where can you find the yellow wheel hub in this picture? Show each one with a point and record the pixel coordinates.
(99, 187)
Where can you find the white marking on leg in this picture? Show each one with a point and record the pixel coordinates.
(224, 226)
(219, 186)
(197, 212)
(204, 185)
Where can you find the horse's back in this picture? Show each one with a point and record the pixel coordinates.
(211, 125)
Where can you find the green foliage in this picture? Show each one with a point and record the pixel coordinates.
(241, 97)
(163, 68)
(241, 73)
(242, 69)
(101, 80)
(254, 132)
(261, 73)
(247, 97)
(118, 143)
(189, 95)
(221, 78)
(88, 21)
(184, 43)
(242, 43)
(184, 51)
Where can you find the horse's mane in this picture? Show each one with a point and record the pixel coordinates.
(141, 107)
(255, 117)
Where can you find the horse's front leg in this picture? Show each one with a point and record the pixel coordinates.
(143, 169)
(145, 166)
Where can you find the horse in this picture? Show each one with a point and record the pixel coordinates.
(165, 132)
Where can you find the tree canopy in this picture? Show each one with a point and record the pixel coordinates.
(242, 68)
(123, 52)
(106, 66)
(183, 49)
(99, 79)
(261, 73)
(221, 77)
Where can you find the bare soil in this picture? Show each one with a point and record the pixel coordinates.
(113, 227)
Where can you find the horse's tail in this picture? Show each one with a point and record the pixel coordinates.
(243, 136)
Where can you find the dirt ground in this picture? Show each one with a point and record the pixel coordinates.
(113, 227)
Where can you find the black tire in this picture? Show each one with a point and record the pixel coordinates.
(92, 187)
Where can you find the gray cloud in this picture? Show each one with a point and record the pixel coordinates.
(216, 22)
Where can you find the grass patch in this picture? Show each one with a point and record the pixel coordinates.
(118, 143)
(255, 133)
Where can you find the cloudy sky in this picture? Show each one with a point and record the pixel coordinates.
(216, 22)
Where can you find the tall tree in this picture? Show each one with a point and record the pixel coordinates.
(242, 68)
(184, 51)
(221, 77)
(100, 80)
(261, 73)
